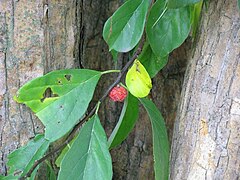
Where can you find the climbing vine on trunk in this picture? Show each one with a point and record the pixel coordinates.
(60, 99)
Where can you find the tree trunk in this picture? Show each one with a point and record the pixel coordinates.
(206, 140)
(21, 59)
(39, 36)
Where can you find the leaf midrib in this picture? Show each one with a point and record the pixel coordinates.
(127, 22)
(91, 139)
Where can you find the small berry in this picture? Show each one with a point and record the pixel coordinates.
(118, 93)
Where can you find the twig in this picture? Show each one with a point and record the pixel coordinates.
(77, 126)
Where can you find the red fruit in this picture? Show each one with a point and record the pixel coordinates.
(118, 93)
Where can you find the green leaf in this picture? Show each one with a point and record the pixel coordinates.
(124, 28)
(9, 177)
(21, 160)
(180, 3)
(88, 157)
(150, 61)
(126, 122)
(167, 28)
(195, 16)
(160, 140)
(239, 4)
(63, 153)
(17, 177)
(70, 92)
(115, 56)
(138, 80)
(50, 172)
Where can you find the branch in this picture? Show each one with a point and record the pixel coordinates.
(77, 126)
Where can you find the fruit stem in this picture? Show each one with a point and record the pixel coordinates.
(123, 85)
(97, 108)
(111, 71)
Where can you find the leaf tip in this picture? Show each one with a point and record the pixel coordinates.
(16, 98)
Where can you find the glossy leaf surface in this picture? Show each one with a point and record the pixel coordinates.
(180, 3)
(64, 152)
(160, 140)
(150, 61)
(59, 98)
(167, 28)
(124, 28)
(88, 157)
(126, 122)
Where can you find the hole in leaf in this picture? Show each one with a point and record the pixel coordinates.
(48, 94)
(60, 81)
(31, 138)
(68, 77)
(61, 106)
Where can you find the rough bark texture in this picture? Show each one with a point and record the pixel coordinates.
(206, 140)
(40, 36)
(21, 59)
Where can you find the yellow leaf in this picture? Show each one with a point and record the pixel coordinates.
(138, 80)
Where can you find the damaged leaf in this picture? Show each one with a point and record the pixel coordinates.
(21, 160)
(59, 98)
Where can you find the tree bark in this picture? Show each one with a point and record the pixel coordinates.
(21, 55)
(206, 138)
(40, 36)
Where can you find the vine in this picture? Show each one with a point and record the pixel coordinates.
(60, 98)
(77, 126)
